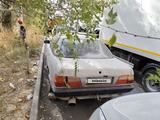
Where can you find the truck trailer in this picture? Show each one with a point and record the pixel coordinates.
(137, 29)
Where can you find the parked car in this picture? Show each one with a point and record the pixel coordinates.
(98, 72)
(142, 106)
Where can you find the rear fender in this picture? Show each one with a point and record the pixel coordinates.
(53, 62)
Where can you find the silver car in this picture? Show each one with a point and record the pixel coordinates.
(99, 73)
(142, 106)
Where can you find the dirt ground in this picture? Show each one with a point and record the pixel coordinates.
(16, 89)
(48, 110)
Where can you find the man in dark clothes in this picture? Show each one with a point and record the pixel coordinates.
(22, 32)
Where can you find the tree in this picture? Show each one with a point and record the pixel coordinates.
(74, 12)
(87, 12)
(6, 18)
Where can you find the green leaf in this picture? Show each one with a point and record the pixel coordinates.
(155, 77)
(110, 21)
(111, 17)
(76, 68)
(77, 38)
(112, 40)
(110, 13)
(69, 35)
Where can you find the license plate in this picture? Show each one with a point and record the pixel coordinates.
(106, 80)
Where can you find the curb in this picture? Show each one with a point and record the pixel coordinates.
(34, 113)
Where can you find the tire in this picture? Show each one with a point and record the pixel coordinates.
(149, 85)
(51, 95)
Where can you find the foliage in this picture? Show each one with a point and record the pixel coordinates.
(86, 12)
(33, 12)
(155, 77)
(76, 14)
(112, 40)
(111, 17)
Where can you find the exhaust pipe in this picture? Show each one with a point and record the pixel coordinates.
(72, 101)
(51, 96)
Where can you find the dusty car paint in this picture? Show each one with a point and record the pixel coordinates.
(142, 106)
(104, 67)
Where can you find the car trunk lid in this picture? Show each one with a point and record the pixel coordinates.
(94, 67)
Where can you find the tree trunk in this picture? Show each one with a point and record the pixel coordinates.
(7, 20)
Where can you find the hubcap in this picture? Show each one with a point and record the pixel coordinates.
(152, 85)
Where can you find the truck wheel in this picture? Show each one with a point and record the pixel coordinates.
(149, 85)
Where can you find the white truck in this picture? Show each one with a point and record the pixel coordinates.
(138, 36)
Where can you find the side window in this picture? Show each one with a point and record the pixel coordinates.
(64, 50)
(61, 45)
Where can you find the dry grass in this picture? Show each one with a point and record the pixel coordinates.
(13, 70)
(12, 46)
(34, 40)
(6, 38)
(1, 105)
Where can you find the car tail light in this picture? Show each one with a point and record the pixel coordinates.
(64, 81)
(74, 82)
(125, 79)
(59, 81)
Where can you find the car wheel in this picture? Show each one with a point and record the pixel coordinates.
(150, 85)
(51, 95)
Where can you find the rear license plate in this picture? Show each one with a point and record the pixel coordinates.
(105, 80)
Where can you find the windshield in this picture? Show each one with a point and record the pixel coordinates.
(85, 50)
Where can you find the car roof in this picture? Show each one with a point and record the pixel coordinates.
(142, 106)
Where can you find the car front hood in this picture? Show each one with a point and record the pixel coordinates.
(142, 106)
(95, 67)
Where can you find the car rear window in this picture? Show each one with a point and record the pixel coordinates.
(85, 50)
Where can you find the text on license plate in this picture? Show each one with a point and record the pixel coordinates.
(99, 80)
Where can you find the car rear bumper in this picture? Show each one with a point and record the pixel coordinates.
(68, 92)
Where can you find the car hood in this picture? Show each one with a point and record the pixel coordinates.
(142, 106)
(95, 67)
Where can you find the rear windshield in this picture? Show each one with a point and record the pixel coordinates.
(85, 50)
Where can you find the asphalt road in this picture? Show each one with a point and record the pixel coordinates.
(60, 110)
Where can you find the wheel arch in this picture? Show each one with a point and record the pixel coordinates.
(150, 66)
